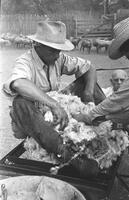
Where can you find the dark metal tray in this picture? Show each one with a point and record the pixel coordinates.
(12, 164)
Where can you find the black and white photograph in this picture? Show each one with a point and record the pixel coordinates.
(64, 100)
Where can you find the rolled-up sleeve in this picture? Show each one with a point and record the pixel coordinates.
(74, 65)
(118, 101)
(21, 70)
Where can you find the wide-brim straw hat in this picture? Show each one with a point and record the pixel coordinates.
(121, 34)
(52, 34)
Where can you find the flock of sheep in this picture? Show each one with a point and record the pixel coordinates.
(22, 41)
(86, 43)
(14, 40)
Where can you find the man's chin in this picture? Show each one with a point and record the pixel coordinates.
(52, 62)
(116, 89)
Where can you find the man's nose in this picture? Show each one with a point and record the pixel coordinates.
(119, 81)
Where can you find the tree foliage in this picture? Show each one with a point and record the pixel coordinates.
(45, 6)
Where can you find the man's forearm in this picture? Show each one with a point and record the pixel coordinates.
(90, 78)
(115, 103)
(99, 110)
(30, 91)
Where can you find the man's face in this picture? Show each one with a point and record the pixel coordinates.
(47, 54)
(118, 78)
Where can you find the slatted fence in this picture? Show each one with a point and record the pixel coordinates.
(26, 24)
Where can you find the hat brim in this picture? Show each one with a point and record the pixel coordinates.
(67, 46)
(114, 48)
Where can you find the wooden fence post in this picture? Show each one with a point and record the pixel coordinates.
(76, 31)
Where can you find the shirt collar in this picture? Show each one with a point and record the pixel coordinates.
(40, 63)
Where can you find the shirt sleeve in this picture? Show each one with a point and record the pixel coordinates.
(21, 70)
(118, 101)
(74, 65)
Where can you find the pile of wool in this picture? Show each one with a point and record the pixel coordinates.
(71, 104)
(107, 145)
(35, 152)
(100, 143)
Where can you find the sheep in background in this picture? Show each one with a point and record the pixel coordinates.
(86, 43)
(75, 41)
(100, 43)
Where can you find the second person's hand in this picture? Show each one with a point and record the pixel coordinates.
(82, 118)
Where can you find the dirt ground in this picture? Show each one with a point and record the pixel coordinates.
(7, 58)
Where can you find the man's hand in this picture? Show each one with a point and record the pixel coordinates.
(82, 118)
(61, 117)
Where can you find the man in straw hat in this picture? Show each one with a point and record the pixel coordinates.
(116, 106)
(39, 71)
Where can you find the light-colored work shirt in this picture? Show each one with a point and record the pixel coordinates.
(117, 102)
(30, 66)
(108, 91)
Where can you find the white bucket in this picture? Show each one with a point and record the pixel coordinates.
(38, 187)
